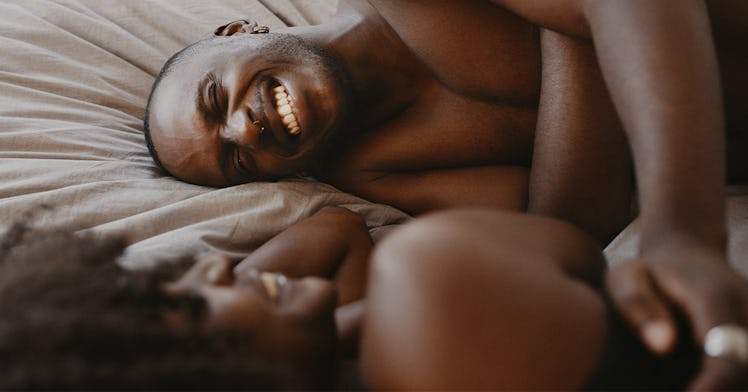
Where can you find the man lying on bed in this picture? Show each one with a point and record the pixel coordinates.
(426, 105)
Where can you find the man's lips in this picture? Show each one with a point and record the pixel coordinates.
(273, 118)
(284, 105)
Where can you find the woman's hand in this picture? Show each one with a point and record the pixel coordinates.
(695, 283)
(334, 244)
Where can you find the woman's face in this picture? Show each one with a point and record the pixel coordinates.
(240, 107)
(291, 321)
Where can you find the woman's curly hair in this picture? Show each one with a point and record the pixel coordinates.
(71, 318)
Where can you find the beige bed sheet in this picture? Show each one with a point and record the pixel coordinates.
(626, 244)
(74, 78)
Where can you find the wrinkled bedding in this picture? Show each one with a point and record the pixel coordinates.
(625, 245)
(74, 79)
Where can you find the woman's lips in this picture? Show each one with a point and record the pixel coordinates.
(275, 286)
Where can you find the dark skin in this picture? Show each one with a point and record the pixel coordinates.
(435, 130)
(525, 313)
(332, 244)
(678, 168)
(512, 318)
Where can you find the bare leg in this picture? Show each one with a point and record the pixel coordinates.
(477, 299)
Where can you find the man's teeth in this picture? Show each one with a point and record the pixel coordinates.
(286, 110)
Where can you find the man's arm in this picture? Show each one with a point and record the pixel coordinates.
(420, 191)
(660, 67)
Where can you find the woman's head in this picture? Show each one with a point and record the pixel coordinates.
(70, 318)
(240, 107)
(290, 320)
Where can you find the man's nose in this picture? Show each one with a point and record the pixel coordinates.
(241, 131)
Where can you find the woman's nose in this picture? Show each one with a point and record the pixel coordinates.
(210, 270)
(241, 131)
(218, 270)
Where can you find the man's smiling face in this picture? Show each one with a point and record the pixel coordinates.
(241, 108)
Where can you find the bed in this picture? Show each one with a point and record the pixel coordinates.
(74, 78)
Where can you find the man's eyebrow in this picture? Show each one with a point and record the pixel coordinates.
(199, 98)
(203, 112)
(222, 159)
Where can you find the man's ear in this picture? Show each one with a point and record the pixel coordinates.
(241, 26)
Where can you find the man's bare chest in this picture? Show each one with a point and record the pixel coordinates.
(480, 104)
(441, 130)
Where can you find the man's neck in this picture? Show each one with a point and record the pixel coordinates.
(384, 74)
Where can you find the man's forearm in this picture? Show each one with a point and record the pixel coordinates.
(660, 65)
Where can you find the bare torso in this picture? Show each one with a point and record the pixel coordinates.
(477, 109)
(468, 136)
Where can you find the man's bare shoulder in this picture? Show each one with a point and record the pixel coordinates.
(474, 48)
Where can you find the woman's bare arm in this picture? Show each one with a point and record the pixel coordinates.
(334, 243)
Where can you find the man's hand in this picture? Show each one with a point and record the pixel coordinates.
(690, 281)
